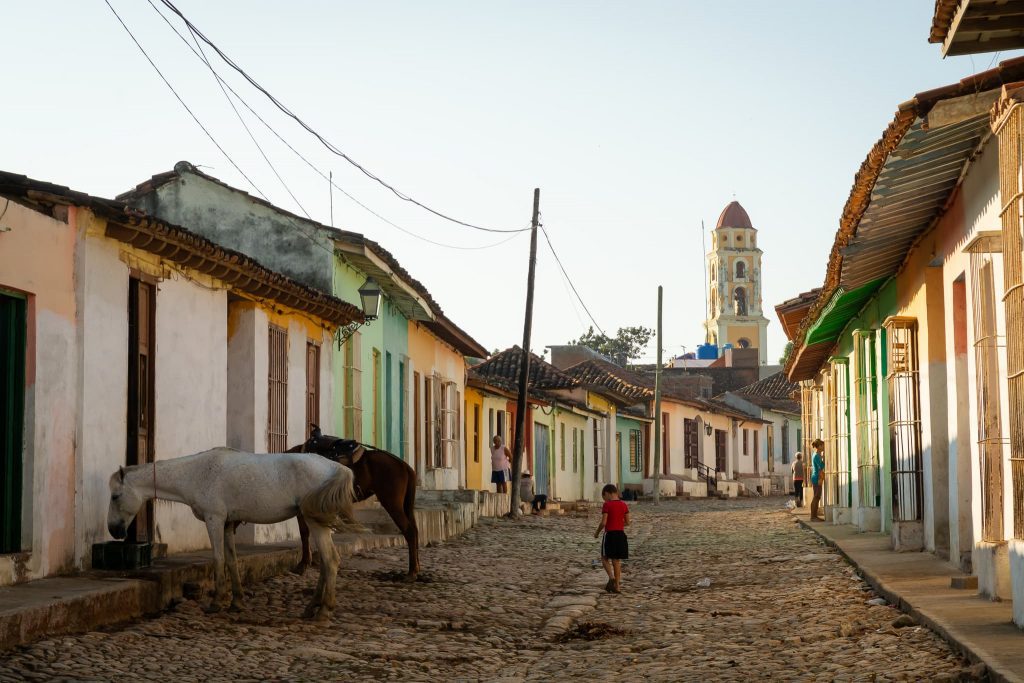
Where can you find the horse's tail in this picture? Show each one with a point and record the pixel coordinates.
(330, 504)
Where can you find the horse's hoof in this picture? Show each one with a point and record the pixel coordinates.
(212, 608)
(410, 578)
(237, 607)
(299, 569)
(323, 614)
(310, 612)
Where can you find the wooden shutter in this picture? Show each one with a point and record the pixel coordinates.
(312, 385)
(141, 396)
(277, 389)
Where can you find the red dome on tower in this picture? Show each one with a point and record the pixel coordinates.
(734, 216)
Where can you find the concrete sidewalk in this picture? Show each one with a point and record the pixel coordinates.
(91, 600)
(919, 583)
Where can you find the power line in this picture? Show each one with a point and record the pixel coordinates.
(332, 148)
(241, 120)
(547, 238)
(224, 84)
(178, 97)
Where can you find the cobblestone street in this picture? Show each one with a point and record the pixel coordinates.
(780, 605)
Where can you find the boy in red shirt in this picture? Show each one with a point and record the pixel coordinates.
(614, 548)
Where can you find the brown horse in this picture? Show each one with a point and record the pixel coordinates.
(377, 473)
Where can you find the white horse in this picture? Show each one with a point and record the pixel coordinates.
(224, 486)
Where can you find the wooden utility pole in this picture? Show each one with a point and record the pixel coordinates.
(657, 411)
(524, 366)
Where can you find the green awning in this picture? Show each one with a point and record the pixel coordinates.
(841, 308)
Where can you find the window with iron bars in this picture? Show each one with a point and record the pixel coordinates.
(867, 418)
(988, 347)
(904, 384)
(1009, 128)
(352, 397)
(636, 450)
(837, 460)
(277, 390)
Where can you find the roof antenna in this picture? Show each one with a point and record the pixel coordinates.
(707, 309)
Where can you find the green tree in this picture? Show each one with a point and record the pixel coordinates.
(785, 353)
(627, 344)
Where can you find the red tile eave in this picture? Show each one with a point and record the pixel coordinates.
(941, 20)
(865, 178)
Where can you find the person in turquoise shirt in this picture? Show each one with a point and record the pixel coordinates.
(817, 473)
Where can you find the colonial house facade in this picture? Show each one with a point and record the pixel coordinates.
(129, 339)
(400, 379)
(908, 358)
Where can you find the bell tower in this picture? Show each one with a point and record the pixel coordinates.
(734, 285)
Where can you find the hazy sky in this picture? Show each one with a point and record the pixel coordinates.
(637, 120)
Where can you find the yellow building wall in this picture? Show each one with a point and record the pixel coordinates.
(737, 332)
(478, 455)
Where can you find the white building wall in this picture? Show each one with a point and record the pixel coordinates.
(103, 406)
(190, 368)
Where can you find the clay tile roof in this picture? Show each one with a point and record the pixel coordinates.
(774, 392)
(734, 216)
(598, 373)
(179, 245)
(502, 371)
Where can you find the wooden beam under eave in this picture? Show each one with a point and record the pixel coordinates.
(979, 46)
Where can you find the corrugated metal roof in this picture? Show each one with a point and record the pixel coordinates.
(911, 192)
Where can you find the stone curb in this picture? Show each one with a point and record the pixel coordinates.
(581, 595)
(944, 630)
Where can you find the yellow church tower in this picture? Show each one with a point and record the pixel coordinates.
(734, 285)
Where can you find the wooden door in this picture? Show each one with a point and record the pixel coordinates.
(541, 457)
(141, 348)
(312, 386)
(720, 451)
(690, 437)
(13, 332)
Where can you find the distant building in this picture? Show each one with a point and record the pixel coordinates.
(734, 285)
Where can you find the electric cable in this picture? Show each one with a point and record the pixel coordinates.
(310, 164)
(547, 238)
(331, 147)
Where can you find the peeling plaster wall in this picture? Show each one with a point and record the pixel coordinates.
(37, 259)
(190, 415)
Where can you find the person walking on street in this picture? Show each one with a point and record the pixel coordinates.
(614, 545)
(501, 463)
(798, 479)
(817, 473)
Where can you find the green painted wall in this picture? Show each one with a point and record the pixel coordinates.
(623, 425)
(389, 333)
(880, 307)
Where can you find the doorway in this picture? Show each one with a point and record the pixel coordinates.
(141, 334)
(13, 328)
(720, 451)
(540, 457)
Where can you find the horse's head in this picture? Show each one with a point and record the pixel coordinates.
(125, 502)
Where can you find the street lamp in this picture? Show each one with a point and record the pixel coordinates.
(369, 295)
(369, 298)
(708, 428)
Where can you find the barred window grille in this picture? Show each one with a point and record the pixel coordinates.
(904, 385)
(828, 406)
(837, 467)
(988, 347)
(636, 450)
(1010, 131)
(866, 362)
(786, 455)
(352, 402)
(277, 390)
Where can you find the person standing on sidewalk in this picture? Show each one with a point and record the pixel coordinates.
(817, 473)
(500, 465)
(798, 479)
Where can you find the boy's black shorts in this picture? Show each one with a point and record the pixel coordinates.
(614, 545)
